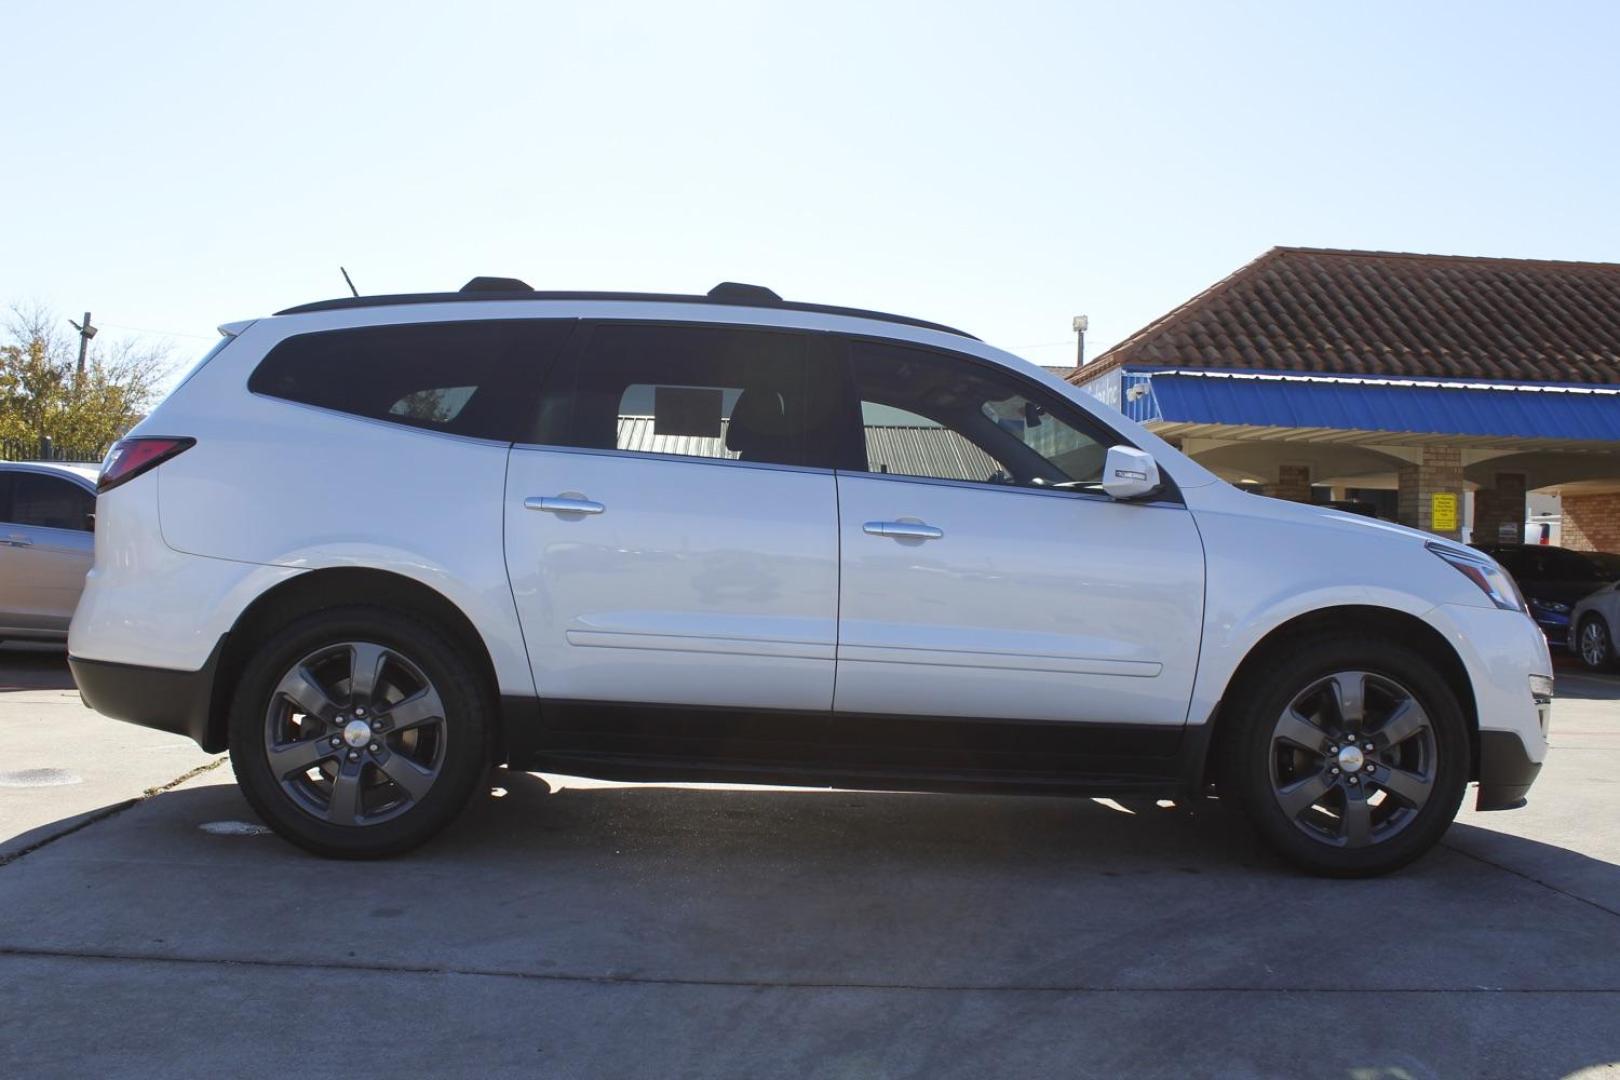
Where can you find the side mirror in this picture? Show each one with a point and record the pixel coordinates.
(1129, 473)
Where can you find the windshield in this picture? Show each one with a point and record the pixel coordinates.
(1534, 563)
(1608, 564)
(1559, 564)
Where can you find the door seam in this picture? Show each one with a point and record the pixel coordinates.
(838, 585)
(506, 564)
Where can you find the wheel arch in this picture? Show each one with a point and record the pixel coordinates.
(1400, 626)
(334, 587)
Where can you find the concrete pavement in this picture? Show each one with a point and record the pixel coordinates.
(564, 928)
(61, 766)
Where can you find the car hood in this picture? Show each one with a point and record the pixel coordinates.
(1564, 592)
(1262, 507)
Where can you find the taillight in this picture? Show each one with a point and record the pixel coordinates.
(131, 457)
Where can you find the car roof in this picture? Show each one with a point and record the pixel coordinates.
(80, 471)
(727, 293)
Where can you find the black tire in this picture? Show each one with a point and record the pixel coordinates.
(411, 654)
(1263, 766)
(1593, 643)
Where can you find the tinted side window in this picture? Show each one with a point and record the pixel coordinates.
(694, 391)
(48, 503)
(936, 415)
(470, 378)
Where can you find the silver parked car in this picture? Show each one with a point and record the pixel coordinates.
(1594, 623)
(47, 522)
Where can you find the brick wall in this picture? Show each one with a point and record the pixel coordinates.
(1592, 522)
(1501, 504)
(1440, 471)
(1293, 483)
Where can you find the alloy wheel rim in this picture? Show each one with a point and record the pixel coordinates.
(355, 733)
(1594, 645)
(1353, 759)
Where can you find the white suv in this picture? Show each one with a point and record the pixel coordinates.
(374, 545)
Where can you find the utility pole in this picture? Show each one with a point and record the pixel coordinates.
(1081, 324)
(86, 332)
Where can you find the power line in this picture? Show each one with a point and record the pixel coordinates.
(149, 330)
(1069, 344)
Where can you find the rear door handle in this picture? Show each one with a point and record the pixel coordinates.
(17, 541)
(903, 530)
(562, 504)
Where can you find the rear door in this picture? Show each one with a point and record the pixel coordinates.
(984, 572)
(46, 546)
(672, 527)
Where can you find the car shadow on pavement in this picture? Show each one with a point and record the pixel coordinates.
(527, 814)
(1585, 686)
(27, 666)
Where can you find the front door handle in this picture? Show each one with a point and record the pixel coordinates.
(17, 541)
(903, 530)
(563, 504)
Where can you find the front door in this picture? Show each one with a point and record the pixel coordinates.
(984, 573)
(672, 532)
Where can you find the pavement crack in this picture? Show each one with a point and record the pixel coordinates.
(110, 811)
(21, 952)
(1531, 878)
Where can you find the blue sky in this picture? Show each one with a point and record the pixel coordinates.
(1000, 167)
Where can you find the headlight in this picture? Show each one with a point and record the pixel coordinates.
(1541, 688)
(1551, 605)
(1492, 580)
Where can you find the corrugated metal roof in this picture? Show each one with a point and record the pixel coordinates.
(1360, 404)
(926, 451)
(904, 449)
(636, 433)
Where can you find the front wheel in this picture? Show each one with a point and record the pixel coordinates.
(1594, 643)
(1350, 756)
(359, 732)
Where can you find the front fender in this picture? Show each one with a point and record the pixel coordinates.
(1270, 563)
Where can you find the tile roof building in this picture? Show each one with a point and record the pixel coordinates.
(1388, 314)
(1416, 375)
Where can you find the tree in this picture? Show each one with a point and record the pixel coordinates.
(41, 393)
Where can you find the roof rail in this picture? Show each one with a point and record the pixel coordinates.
(727, 293)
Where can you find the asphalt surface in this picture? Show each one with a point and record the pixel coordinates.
(148, 927)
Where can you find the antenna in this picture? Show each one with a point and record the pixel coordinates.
(350, 280)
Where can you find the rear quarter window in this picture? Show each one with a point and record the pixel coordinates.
(478, 378)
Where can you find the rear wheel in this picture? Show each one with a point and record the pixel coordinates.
(359, 732)
(1350, 756)
(1594, 643)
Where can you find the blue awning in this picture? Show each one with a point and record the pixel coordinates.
(1433, 407)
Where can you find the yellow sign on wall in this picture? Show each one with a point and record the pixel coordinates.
(1443, 512)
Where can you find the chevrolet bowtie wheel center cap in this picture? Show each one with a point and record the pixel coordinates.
(1351, 759)
(357, 733)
